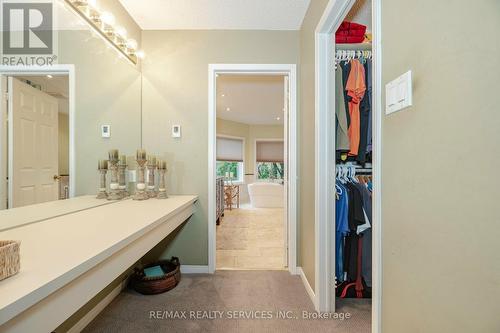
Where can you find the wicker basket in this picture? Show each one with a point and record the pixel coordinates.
(158, 284)
(9, 259)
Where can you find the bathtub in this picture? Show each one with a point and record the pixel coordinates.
(266, 195)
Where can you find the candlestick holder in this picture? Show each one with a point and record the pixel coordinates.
(103, 169)
(122, 184)
(151, 166)
(114, 186)
(162, 190)
(140, 193)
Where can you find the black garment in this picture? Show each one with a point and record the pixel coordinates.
(356, 217)
(366, 269)
(355, 213)
(346, 70)
(364, 119)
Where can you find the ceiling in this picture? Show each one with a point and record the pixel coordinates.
(251, 99)
(217, 14)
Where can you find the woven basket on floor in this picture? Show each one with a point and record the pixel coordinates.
(158, 284)
(9, 259)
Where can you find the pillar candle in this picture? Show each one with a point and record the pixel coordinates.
(102, 165)
(113, 154)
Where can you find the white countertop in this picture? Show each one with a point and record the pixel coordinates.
(11, 218)
(56, 251)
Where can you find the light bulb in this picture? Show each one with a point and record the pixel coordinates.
(108, 18)
(131, 44)
(121, 31)
(140, 54)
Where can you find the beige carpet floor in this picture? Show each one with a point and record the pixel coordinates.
(251, 238)
(229, 291)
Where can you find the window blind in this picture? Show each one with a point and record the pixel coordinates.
(270, 151)
(229, 149)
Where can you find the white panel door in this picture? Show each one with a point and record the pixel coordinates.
(33, 146)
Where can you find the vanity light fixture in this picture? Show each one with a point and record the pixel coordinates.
(104, 23)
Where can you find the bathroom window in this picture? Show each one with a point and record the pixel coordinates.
(270, 171)
(230, 170)
(269, 158)
(230, 152)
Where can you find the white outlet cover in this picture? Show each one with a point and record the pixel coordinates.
(132, 176)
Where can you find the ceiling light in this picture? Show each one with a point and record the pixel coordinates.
(140, 54)
(108, 18)
(223, 95)
(131, 43)
(228, 109)
(103, 24)
(278, 118)
(49, 76)
(121, 31)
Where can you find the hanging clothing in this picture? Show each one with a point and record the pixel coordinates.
(368, 70)
(356, 90)
(342, 139)
(341, 208)
(346, 70)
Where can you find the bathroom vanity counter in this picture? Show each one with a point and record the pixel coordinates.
(11, 218)
(67, 260)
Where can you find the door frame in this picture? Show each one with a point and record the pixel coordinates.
(333, 16)
(254, 69)
(46, 70)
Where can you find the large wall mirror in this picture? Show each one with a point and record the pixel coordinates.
(51, 135)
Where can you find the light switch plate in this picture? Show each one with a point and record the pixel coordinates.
(176, 131)
(106, 131)
(398, 93)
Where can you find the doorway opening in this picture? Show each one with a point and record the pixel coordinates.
(37, 112)
(342, 169)
(252, 165)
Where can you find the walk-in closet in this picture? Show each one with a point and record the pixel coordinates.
(353, 157)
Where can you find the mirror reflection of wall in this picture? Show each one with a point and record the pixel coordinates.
(107, 91)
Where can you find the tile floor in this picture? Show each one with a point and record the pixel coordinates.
(251, 238)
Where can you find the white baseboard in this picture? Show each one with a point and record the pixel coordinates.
(194, 269)
(309, 290)
(82, 323)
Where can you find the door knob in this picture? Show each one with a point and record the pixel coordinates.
(56, 177)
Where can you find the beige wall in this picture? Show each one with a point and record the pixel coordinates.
(441, 253)
(176, 92)
(306, 139)
(250, 133)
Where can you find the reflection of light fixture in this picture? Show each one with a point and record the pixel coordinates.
(140, 54)
(104, 24)
(108, 22)
(228, 109)
(223, 95)
(49, 76)
(278, 118)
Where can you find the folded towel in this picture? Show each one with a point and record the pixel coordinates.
(349, 39)
(350, 26)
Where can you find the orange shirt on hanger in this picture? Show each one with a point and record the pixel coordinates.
(356, 88)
